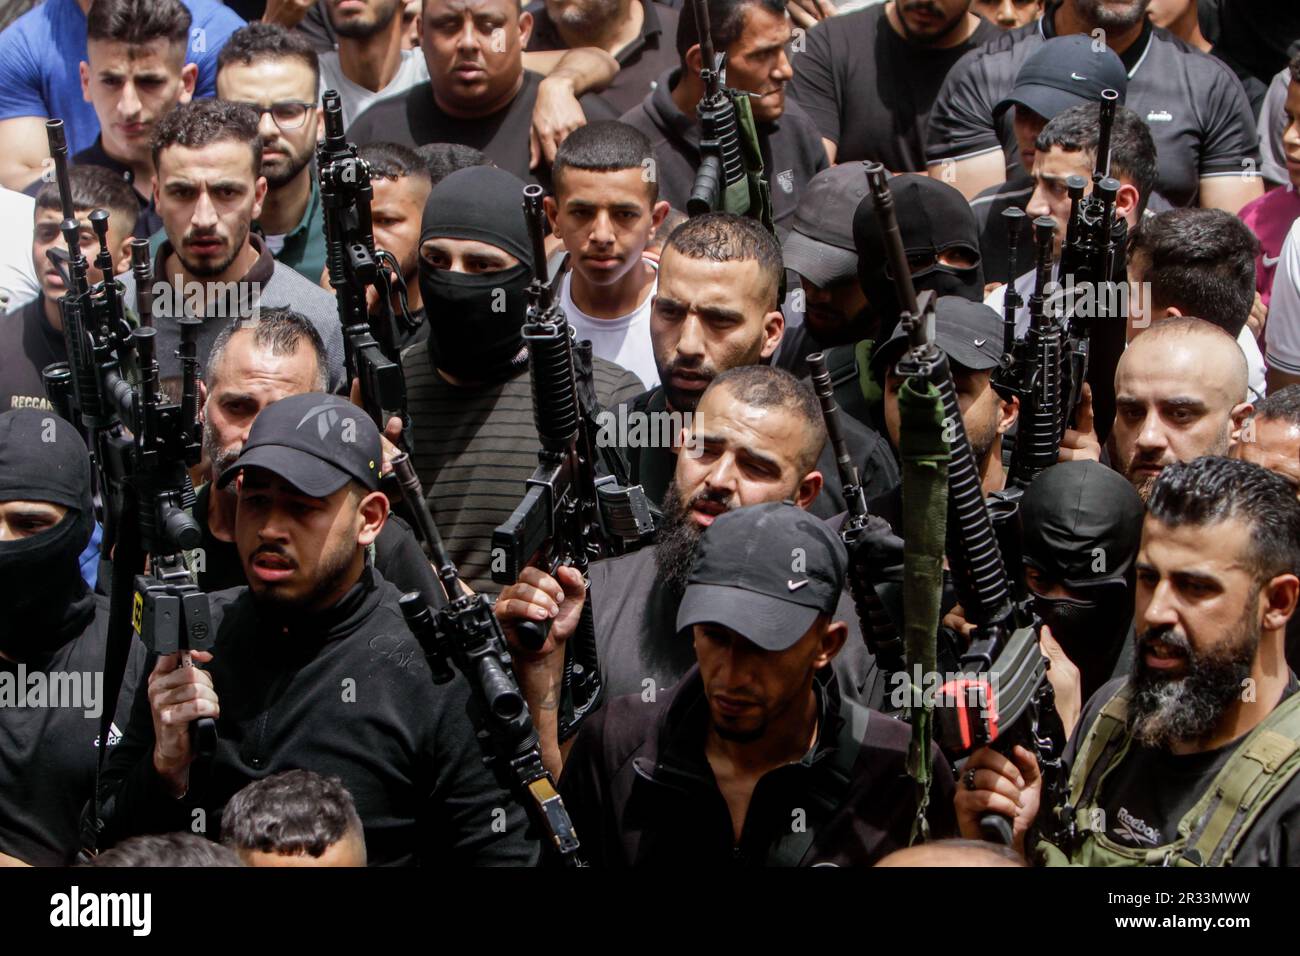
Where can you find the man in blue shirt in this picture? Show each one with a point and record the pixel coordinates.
(40, 57)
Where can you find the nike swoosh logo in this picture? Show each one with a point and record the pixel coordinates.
(1076, 76)
(1271, 261)
(979, 343)
(793, 586)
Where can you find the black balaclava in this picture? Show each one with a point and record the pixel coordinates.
(475, 321)
(45, 602)
(932, 217)
(1082, 524)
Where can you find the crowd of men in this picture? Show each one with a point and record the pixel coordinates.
(747, 715)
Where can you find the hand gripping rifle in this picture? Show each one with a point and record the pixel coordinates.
(1006, 699)
(371, 343)
(466, 633)
(570, 514)
(142, 444)
(878, 628)
(1092, 260)
(1039, 436)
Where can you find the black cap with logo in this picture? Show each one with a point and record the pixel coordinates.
(970, 334)
(315, 442)
(1064, 72)
(766, 572)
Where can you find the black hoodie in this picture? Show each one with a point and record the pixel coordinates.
(344, 693)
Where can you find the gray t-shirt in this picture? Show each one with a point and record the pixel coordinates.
(354, 98)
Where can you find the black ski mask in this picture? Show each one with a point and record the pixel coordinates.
(932, 218)
(1082, 524)
(43, 598)
(475, 320)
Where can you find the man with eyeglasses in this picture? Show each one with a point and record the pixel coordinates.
(276, 73)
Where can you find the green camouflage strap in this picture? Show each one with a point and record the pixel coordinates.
(925, 455)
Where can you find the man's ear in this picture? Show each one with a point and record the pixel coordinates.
(525, 27)
(658, 213)
(373, 512)
(84, 70)
(832, 642)
(808, 489)
(259, 195)
(1126, 200)
(1279, 597)
(189, 82)
(693, 60)
(122, 255)
(1240, 413)
(552, 214)
(1008, 413)
(773, 330)
(203, 401)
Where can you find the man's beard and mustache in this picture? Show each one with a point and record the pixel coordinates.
(205, 271)
(221, 458)
(1169, 710)
(589, 16)
(681, 400)
(362, 28)
(935, 33)
(286, 169)
(1096, 11)
(330, 575)
(1139, 460)
(679, 537)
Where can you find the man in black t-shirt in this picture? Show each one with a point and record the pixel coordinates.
(752, 35)
(868, 78)
(31, 337)
(637, 33)
(1186, 761)
(1197, 110)
(253, 363)
(52, 642)
(478, 93)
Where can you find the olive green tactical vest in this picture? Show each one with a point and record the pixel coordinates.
(1210, 832)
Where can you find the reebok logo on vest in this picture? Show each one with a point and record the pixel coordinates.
(1135, 830)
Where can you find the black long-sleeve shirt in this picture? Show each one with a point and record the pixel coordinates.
(344, 693)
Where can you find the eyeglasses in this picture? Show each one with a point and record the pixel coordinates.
(287, 115)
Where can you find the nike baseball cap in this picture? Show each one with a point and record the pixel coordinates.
(766, 572)
(315, 442)
(1064, 72)
(970, 334)
(820, 245)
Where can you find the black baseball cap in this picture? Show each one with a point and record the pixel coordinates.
(316, 442)
(820, 245)
(765, 572)
(970, 334)
(1064, 72)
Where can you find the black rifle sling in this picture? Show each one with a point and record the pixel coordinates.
(117, 652)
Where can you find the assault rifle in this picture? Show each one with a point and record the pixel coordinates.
(1006, 699)
(730, 177)
(1039, 436)
(142, 446)
(371, 343)
(570, 514)
(465, 632)
(878, 628)
(1092, 259)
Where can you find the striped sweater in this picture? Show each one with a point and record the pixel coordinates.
(476, 447)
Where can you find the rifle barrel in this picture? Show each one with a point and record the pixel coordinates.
(1106, 122)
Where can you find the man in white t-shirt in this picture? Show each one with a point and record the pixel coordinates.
(605, 210)
(370, 62)
(17, 277)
